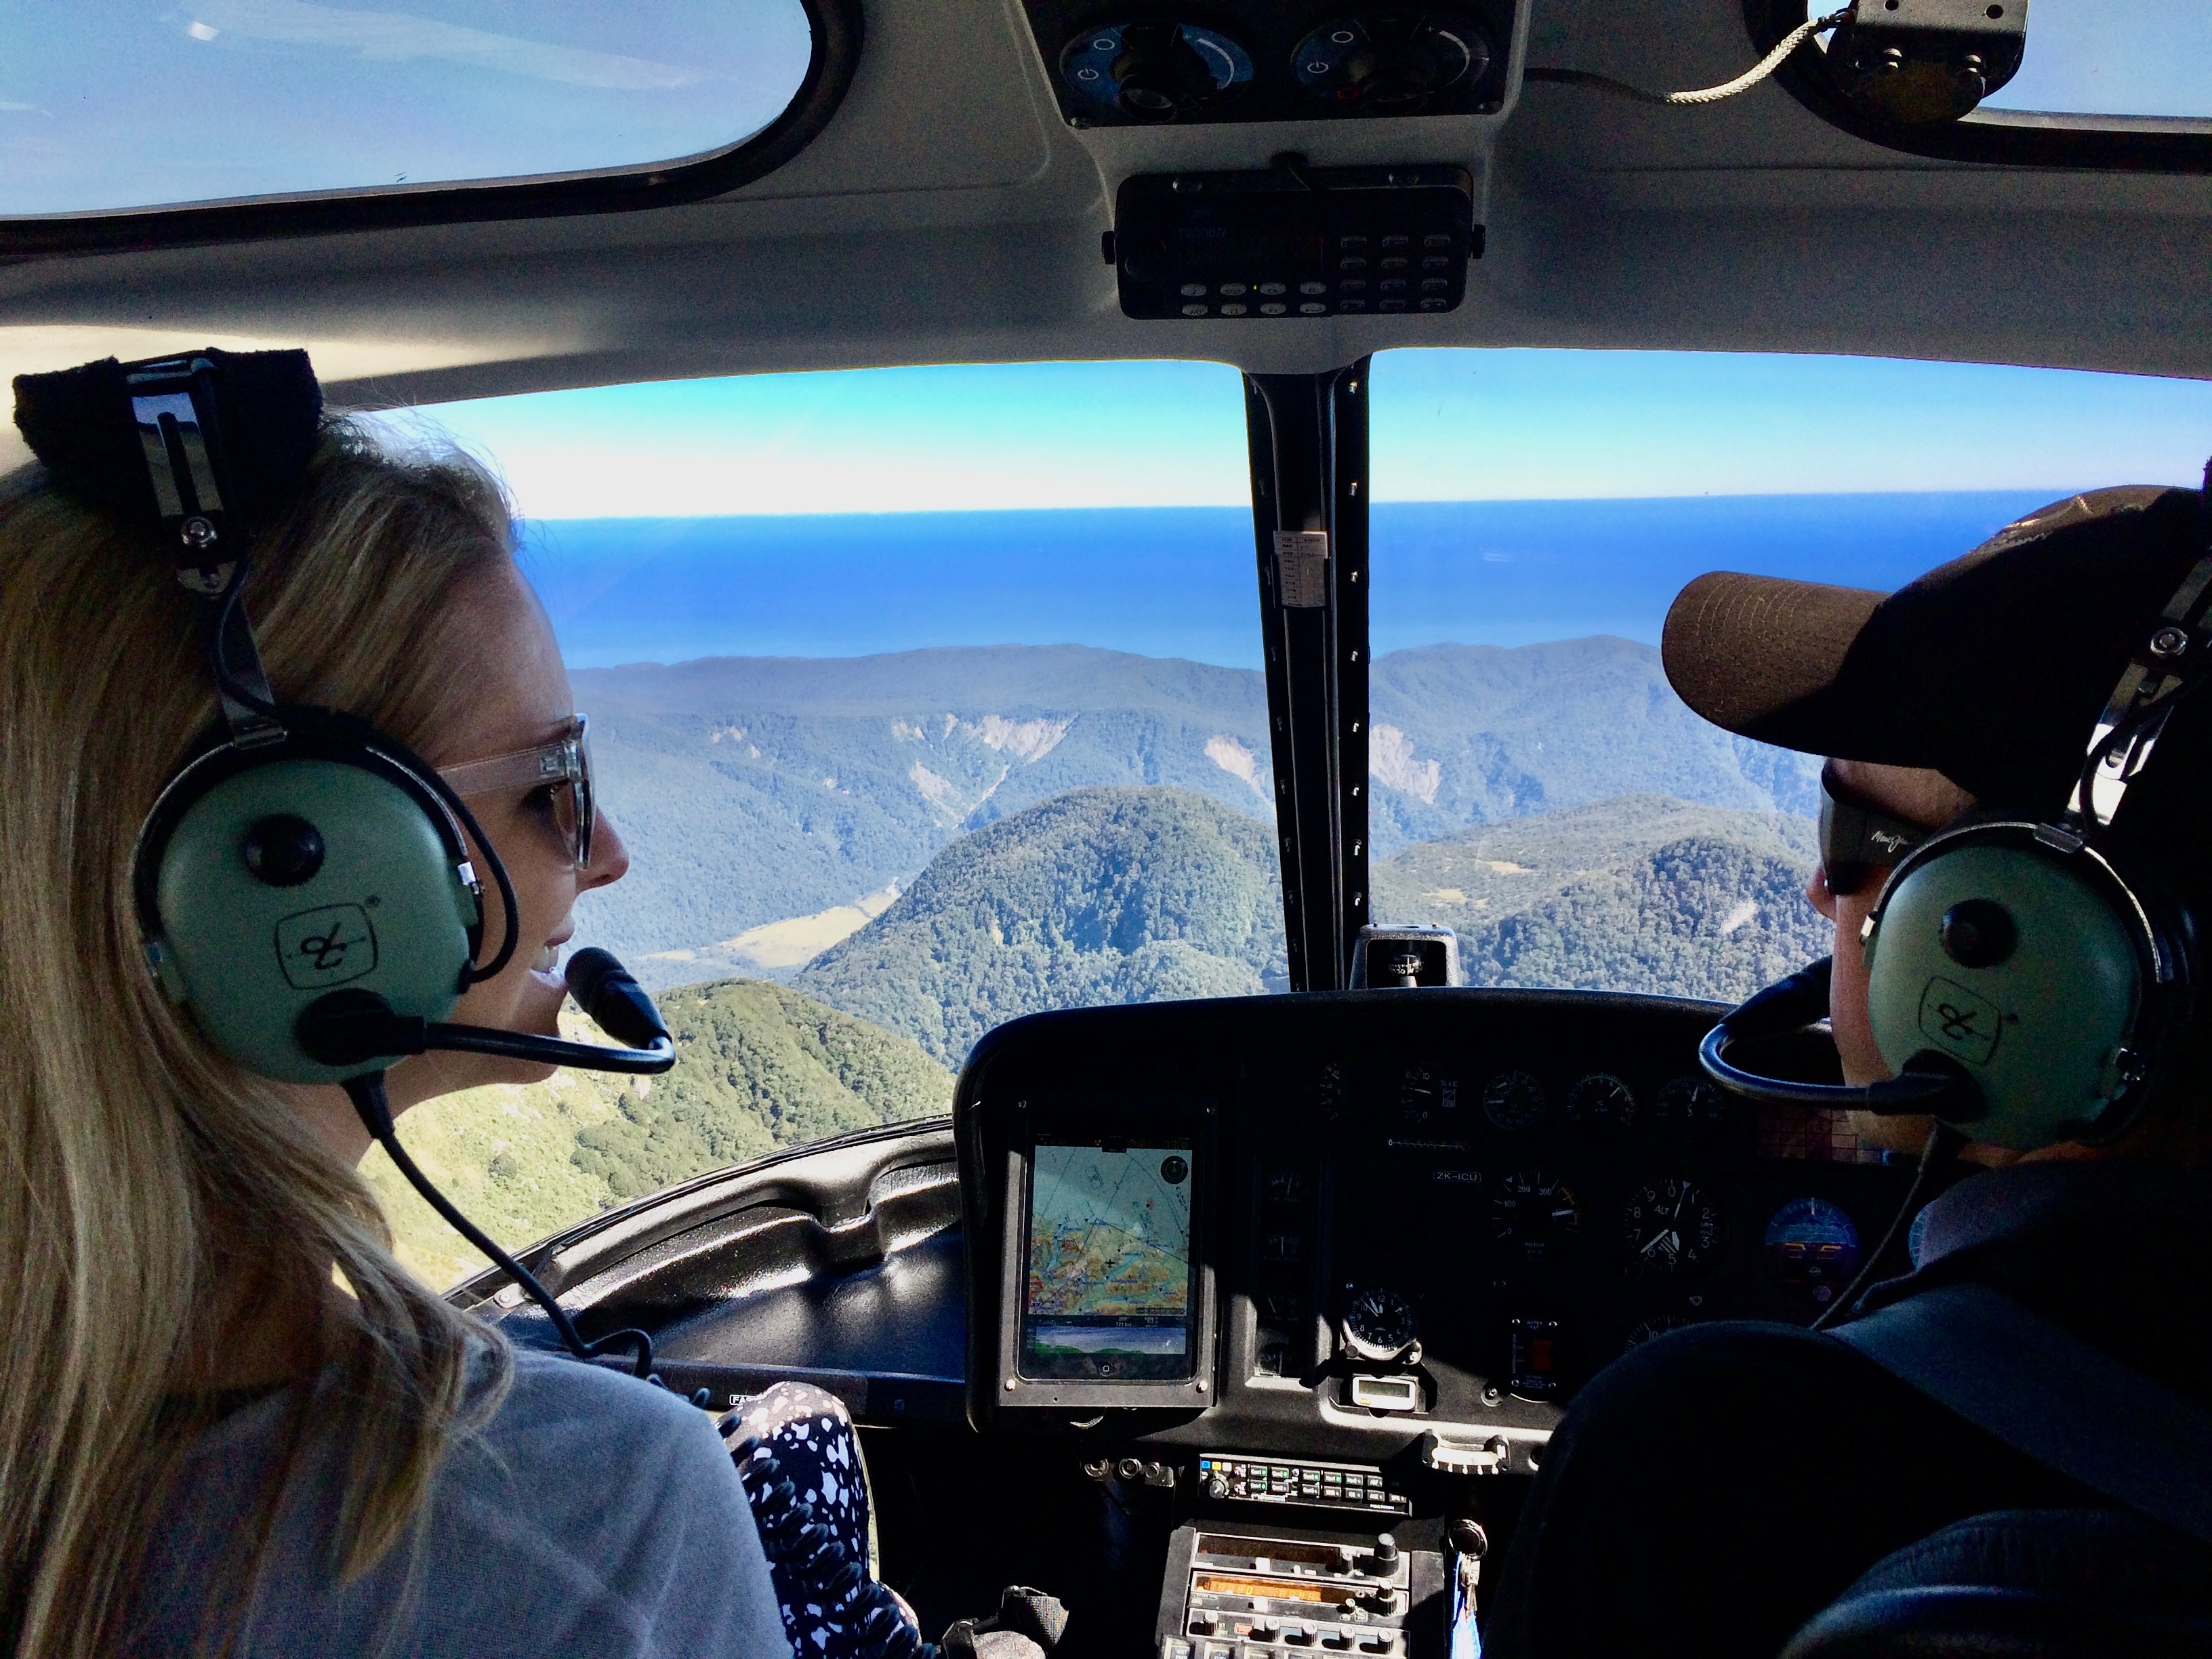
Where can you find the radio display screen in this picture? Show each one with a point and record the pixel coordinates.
(1109, 1287)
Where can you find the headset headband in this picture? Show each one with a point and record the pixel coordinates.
(146, 442)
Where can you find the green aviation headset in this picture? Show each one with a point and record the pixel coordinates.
(303, 884)
(2027, 985)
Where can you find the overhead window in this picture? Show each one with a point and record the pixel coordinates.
(2129, 58)
(110, 105)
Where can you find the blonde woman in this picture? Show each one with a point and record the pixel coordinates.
(229, 1421)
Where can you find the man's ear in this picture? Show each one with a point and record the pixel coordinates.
(1818, 896)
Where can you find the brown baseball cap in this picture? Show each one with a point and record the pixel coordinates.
(1991, 669)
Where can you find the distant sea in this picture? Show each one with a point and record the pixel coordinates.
(1181, 581)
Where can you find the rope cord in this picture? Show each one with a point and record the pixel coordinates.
(1750, 78)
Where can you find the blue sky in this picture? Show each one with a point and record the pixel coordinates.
(1447, 425)
(2114, 57)
(124, 103)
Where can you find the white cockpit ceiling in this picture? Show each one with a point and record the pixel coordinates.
(947, 215)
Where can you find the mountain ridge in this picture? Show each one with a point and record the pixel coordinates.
(754, 791)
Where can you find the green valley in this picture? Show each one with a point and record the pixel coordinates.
(759, 1068)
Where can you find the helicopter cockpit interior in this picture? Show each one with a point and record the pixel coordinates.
(1240, 1322)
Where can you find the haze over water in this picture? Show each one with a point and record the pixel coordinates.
(1181, 581)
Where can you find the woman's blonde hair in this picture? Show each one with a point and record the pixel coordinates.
(143, 1170)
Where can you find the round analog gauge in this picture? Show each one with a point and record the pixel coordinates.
(1672, 1227)
(1533, 1215)
(1658, 1325)
(1513, 1100)
(1601, 1101)
(1379, 1324)
(1691, 1107)
(1812, 1247)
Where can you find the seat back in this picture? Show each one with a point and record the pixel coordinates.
(2026, 1584)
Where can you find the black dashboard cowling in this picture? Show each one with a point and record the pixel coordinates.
(1510, 1187)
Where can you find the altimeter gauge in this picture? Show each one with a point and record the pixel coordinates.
(1379, 1324)
(1672, 1227)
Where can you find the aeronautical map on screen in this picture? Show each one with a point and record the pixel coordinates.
(1109, 1276)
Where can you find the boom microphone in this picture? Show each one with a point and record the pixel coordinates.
(604, 989)
(350, 1027)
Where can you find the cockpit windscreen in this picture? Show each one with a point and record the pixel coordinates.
(1109, 1284)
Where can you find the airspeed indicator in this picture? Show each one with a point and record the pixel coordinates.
(1533, 1216)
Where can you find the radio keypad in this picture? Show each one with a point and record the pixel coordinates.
(1329, 1485)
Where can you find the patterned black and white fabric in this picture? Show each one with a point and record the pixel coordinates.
(798, 1433)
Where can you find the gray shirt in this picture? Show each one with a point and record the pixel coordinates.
(595, 1516)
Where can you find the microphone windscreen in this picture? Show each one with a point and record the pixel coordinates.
(604, 989)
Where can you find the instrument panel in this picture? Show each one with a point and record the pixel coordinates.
(1432, 1215)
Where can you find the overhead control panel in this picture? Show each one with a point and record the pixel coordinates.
(1256, 60)
(1294, 241)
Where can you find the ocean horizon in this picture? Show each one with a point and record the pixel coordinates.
(1181, 581)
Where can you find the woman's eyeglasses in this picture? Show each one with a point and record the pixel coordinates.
(1856, 839)
(563, 768)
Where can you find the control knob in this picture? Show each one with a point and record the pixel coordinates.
(1384, 1560)
(1301, 1634)
(1381, 1601)
(1264, 1631)
(1468, 1539)
(1337, 1638)
(1216, 1486)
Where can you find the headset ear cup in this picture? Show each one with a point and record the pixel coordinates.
(266, 884)
(2029, 967)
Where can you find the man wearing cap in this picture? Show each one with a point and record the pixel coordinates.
(1715, 1489)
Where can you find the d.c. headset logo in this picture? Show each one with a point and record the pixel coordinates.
(325, 946)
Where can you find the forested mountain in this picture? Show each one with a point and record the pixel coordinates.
(1468, 734)
(754, 791)
(759, 1066)
(1134, 894)
(1097, 895)
(1639, 893)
